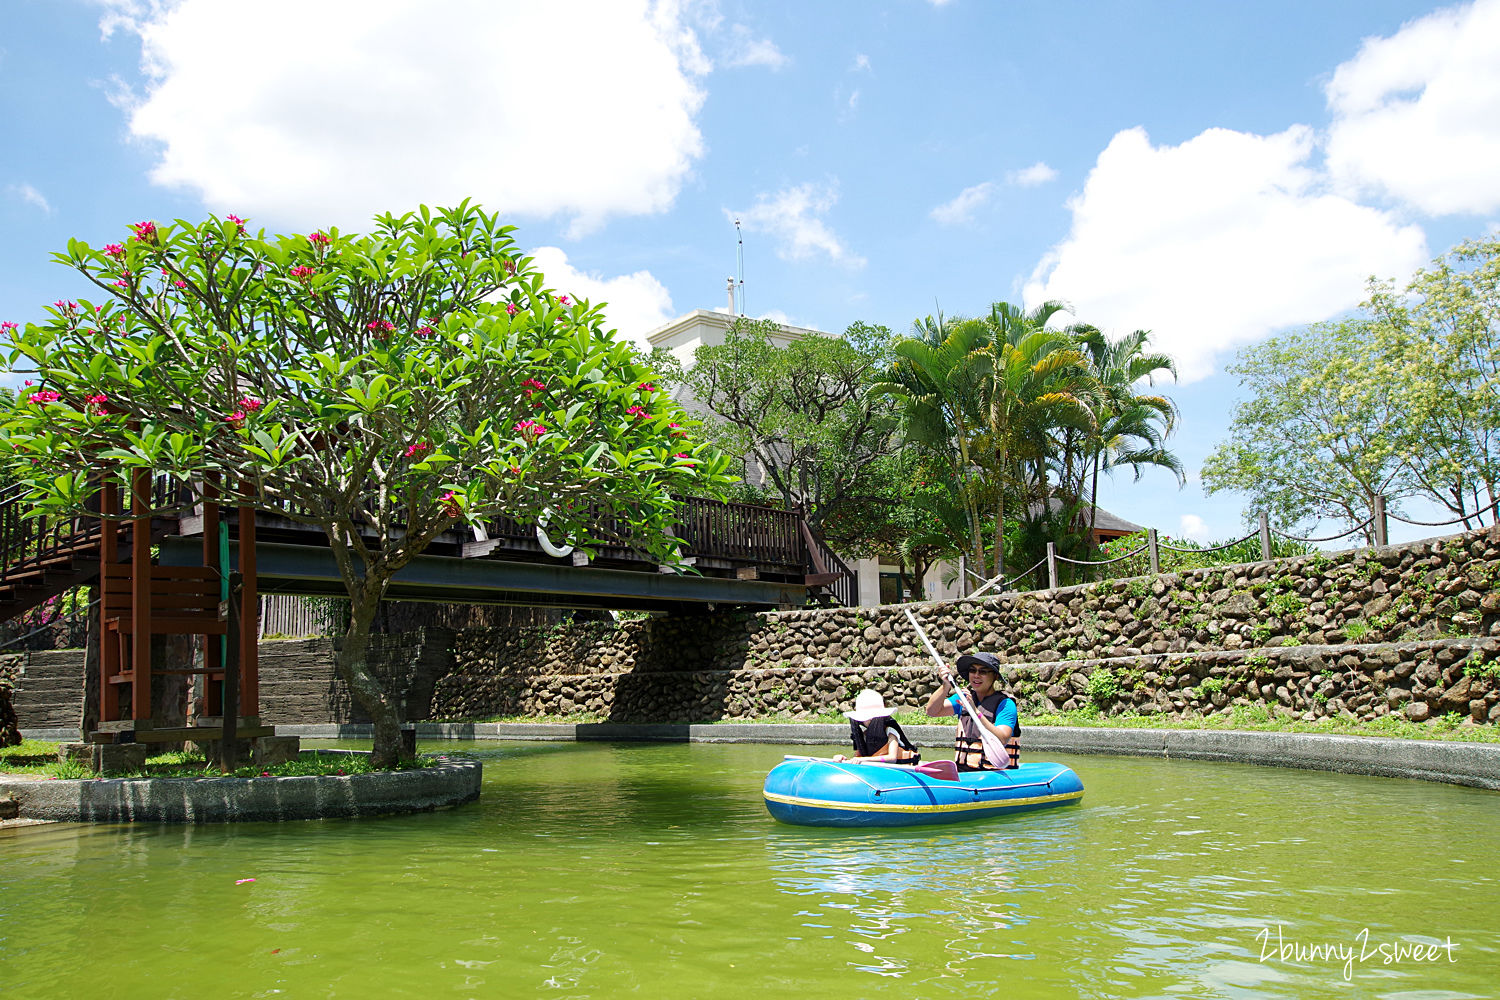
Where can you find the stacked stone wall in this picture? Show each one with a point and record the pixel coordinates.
(1411, 628)
(1359, 634)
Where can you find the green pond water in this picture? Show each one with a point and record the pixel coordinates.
(644, 870)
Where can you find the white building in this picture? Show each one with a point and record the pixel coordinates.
(878, 583)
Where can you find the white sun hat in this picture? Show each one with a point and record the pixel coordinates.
(868, 705)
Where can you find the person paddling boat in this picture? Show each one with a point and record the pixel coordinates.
(997, 712)
(875, 735)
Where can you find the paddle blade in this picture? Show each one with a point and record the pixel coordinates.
(994, 749)
(944, 770)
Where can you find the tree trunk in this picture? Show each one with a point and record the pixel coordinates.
(366, 688)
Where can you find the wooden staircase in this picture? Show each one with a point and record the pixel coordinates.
(42, 557)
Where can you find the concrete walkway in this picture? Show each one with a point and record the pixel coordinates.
(1473, 764)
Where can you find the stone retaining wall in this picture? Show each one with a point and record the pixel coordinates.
(1409, 628)
(1361, 633)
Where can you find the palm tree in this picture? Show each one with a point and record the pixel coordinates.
(933, 379)
(1132, 426)
(1031, 380)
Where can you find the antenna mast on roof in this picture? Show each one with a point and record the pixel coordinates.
(739, 265)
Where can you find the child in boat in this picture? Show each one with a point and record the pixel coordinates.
(996, 708)
(877, 736)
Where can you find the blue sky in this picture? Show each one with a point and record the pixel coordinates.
(1210, 172)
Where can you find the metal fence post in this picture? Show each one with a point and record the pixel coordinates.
(1381, 538)
(1153, 552)
(1265, 536)
(1052, 565)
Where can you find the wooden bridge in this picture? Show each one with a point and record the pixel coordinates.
(738, 555)
(211, 563)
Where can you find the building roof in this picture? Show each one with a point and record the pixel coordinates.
(1103, 519)
(667, 334)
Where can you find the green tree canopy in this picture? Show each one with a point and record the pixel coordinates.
(801, 416)
(384, 387)
(1402, 401)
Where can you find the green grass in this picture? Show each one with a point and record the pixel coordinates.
(1253, 718)
(39, 758)
(1256, 718)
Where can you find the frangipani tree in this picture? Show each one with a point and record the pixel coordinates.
(383, 387)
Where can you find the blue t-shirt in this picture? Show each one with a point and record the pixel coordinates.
(1005, 715)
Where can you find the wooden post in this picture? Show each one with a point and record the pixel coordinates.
(228, 751)
(109, 648)
(140, 597)
(1051, 565)
(1381, 538)
(213, 645)
(249, 612)
(1153, 551)
(1265, 536)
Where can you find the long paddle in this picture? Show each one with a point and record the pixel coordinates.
(943, 770)
(994, 747)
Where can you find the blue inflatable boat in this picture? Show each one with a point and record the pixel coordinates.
(811, 791)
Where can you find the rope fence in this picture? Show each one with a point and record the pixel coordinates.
(1465, 519)
(1361, 526)
(1211, 548)
(1375, 526)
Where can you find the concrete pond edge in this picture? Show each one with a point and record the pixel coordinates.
(247, 800)
(1476, 765)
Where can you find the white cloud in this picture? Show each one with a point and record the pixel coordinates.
(963, 206)
(30, 196)
(1416, 116)
(1216, 243)
(861, 64)
(1036, 174)
(793, 216)
(1193, 527)
(854, 100)
(636, 303)
(317, 113)
(747, 50)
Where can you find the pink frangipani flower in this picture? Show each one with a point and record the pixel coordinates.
(451, 506)
(510, 308)
(302, 272)
(416, 448)
(114, 250)
(638, 412)
(250, 404)
(381, 327)
(236, 419)
(530, 429)
(145, 232)
(565, 300)
(319, 240)
(239, 223)
(44, 397)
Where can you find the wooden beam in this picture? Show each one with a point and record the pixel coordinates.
(109, 645)
(140, 593)
(231, 681)
(213, 646)
(249, 615)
